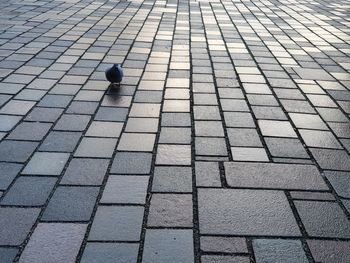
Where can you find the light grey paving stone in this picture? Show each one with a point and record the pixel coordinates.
(249, 154)
(245, 212)
(7, 255)
(276, 128)
(322, 139)
(44, 114)
(70, 122)
(170, 154)
(54, 242)
(7, 122)
(29, 191)
(17, 107)
(55, 101)
(323, 219)
(96, 147)
(8, 172)
(71, 204)
(329, 251)
(131, 163)
(15, 224)
(312, 196)
(82, 107)
(209, 128)
(104, 129)
(175, 135)
(29, 131)
(110, 253)
(239, 120)
(166, 245)
(46, 163)
(206, 113)
(244, 137)
(60, 141)
(137, 142)
(308, 121)
(207, 174)
(279, 250)
(145, 110)
(85, 171)
(125, 190)
(178, 119)
(272, 175)
(111, 114)
(172, 179)
(170, 210)
(224, 259)
(340, 182)
(117, 223)
(16, 151)
(142, 125)
(286, 147)
(330, 159)
(223, 244)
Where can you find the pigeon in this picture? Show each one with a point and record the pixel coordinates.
(114, 74)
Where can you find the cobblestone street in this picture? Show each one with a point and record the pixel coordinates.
(227, 141)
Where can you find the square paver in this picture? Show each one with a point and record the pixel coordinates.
(46, 163)
(172, 179)
(144, 110)
(125, 190)
(286, 147)
(96, 147)
(245, 212)
(210, 146)
(249, 154)
(174, 154)
(70, 122)
(8, 254)
(207, 174)
(175, 135)
(330, 159)
(104, 129)
(276, 128)
(322, 139)
(60, 141)
(117, 223)
(7, 122)
(132, 163)
(142, 125)
(8, 172)
(340, 182)
(16, 151)
(137, 142)
(30, 131)
(330, 251)
(223, 244)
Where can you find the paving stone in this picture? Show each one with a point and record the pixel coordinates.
(223, 244)
(60, 141)
(173, 154)
(111, 114)
(276, 128)
(206, 113)
(279, 250)
(15, 224)
(44, 114)
(29, 131)
(269, 113)
(16, 151)
(245, 212)
(132, 163)
(8, 172)
(307, 121)
(341, 130)
(82, 107)
(125, 190)
(329, 251)
(175, 135)
(224, 259)
(312, 196)
(249, 154)
(172, 179)
(178, 119)
(110, 253)
(209, 128)
(286, 147)
(70, 122)
(323, 139)
(8, 254)
(96, 147)
(144, 110)
(142, 125)
(297, 106)
(54, 242)
(117, 223)
(331, 159)
(168, 245)
(210, 146)
(29, 191)
(239, 119)
(46, 163)
(323, 219)
(170, 210)
(55, 101)
(207, 174)
(340, 182)
(138, 142)
(244, 137)
(335, 115)
(104, 129)
(270, 175)
(148, 96)
(17, 107)
(7, 122)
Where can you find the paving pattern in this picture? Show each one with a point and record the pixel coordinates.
(228, 140)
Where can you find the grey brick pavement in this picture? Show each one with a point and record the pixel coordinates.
(228, 140)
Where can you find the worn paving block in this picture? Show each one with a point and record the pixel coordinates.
(46, 163)
(272, 175)
(245, 212)
(166, 245)
(54, 242)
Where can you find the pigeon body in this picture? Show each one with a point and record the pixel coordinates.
(114, 74)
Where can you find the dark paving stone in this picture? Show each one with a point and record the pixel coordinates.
(167, 245)
(46, 163)
(16, 151)
(55, 101)
(175, 135)
(340, 182)
(239, 119)
(329, 251)
(269, 175)
(209, 128)
(82, 171)
(70, 122)
(178, 119)
(17, 107)
(71, 204)
(117, 223)
(8, 172)
(96, 147)
(269, 113)
(244, 137)
(15, 224)
(44, 114)
(7, 122)
(110, 253)
(279, 250)
(82, 107)
(223, 244)
(60, 141)
(29, 191)
(332, 159)
(54, 242)
(323, 219)
(31, 131)
(312, 196)
(172, 179)
(297, 106)
(111, 114)
(286, 147)
(210, 146)
(207, 174)
(125, 190)
(245, 212)
(148, 96)
(206, 113)
(132, 163)
(263, 100)
(341, 130)
(224, 259)
(7, 255)
(170, 210)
